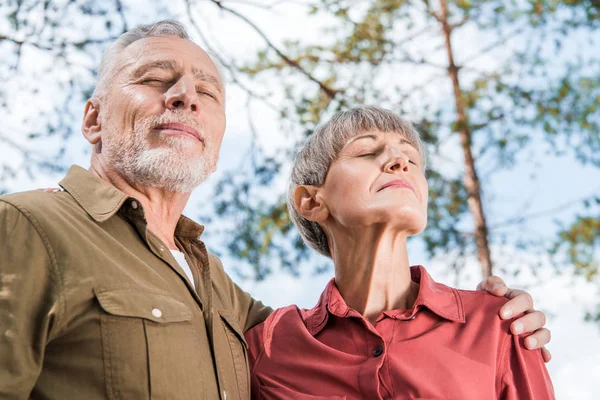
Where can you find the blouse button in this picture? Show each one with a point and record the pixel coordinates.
(378, 351)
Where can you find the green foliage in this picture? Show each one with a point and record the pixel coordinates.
(579, 243)
(581, 240)
(526, 97)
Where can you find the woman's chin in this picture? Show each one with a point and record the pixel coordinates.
(408, 220)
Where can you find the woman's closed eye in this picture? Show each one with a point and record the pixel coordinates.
(368, 152)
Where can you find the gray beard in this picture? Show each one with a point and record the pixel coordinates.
(166, 167)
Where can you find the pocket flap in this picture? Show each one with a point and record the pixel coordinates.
(154, 306)
(232, 323)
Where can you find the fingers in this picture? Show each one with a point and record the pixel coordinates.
(538, 339)
(493, 285)
(546, 355)
(520, 302)
(529, 322)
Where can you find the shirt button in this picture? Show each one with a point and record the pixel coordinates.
(156, 313)
(378, 351)
(413, 317)
(134, 205)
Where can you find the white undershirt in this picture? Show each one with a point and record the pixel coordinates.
(180, 258)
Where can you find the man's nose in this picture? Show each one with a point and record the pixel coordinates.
(182, 96)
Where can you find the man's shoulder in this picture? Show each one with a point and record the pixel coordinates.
(32, 201)
(43, 208)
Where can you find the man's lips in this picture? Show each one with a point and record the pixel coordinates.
(179, 128)
(397, 183)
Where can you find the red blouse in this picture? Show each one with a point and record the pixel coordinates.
(451, 345)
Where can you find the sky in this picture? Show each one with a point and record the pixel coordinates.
(575, 369)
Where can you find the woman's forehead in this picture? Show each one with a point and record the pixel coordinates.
(376, 135)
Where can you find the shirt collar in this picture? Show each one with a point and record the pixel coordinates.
(101, 200)
(186, 228)
(98, 198)
(442, 300)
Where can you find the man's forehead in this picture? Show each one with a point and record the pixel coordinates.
(182, 52)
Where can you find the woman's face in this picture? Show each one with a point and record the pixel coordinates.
(377, 179)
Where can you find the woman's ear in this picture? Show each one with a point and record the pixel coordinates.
(309, 204)
(91, 125)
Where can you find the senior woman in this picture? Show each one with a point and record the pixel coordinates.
(381, 329)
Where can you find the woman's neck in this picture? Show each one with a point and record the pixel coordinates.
(372, 272)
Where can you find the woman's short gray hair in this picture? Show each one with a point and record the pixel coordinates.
(165, 27)
(323, 147)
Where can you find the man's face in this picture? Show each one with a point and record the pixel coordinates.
(163, 115)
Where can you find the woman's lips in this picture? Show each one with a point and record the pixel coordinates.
(175, 128)
(397, 183)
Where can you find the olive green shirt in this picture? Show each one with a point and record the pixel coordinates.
(94, 306)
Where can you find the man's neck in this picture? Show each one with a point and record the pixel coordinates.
(372, 271)
(162, 209)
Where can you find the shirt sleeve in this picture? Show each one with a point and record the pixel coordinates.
(28, 301)
(250, 312)
(523, 375)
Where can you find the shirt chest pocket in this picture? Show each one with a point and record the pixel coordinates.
(150, 346)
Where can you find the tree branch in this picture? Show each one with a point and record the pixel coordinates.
(331, 93)
(543, 213)
(223, 62)
(470, 179)
(121, 12)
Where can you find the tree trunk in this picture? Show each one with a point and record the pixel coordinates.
(471, 180)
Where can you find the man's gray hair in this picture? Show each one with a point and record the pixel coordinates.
(165, 27)
(323, 147)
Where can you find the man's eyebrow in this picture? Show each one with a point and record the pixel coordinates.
(161, 64)
(203, 76)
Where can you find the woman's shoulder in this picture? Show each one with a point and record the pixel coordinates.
(280, 326)
(458, 305)
(281, 317)
(481, 307)
(479, 298)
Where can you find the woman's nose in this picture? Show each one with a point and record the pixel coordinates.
(397, 161)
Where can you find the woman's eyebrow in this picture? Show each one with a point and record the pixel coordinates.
(405, 141)
(402, 140)
(354, 139)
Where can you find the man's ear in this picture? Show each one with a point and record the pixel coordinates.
(309, 203)
(91, 125)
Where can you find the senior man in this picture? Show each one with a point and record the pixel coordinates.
(106, 290)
